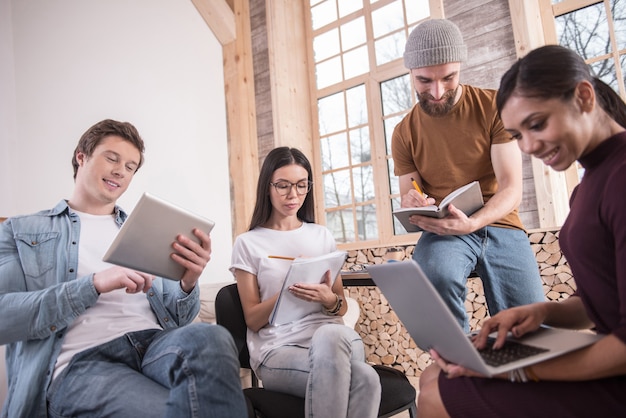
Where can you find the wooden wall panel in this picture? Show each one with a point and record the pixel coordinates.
(262, 79)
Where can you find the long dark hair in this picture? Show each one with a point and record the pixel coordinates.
(275, 159)
(553, 71)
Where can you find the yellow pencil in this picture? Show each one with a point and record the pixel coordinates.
(417, 187)
(280, 257)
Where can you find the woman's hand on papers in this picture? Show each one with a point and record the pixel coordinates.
(322, 293)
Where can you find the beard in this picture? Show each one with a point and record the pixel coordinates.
(437, 109)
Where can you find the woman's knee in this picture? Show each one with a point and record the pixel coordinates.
(366, 374)
(334, 334)
(429, 374)
(429, 399)
(336, 343)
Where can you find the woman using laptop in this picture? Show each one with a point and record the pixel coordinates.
(316, 357)
(559, 113)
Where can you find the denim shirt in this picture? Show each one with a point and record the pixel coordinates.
(40, 296)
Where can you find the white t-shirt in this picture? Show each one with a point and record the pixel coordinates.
(115, 313)
(250, 254)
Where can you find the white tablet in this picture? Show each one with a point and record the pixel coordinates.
(144, 241)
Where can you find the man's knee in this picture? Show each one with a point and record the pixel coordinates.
(201, 336)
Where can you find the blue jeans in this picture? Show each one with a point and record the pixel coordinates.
(191, 371)
(332, 375)
(502, 258)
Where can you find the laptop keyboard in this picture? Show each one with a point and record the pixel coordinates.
(511, 351)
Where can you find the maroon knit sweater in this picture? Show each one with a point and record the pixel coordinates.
(593, 237)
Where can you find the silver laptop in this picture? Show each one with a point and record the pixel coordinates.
(144, 241)
(431, 324)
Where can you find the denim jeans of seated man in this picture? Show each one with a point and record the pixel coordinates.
(502, 257)
(191, 371)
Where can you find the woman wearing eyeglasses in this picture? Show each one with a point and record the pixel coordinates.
(317, 357)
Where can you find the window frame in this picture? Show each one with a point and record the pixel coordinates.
(372, 82)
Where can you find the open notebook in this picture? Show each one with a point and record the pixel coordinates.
(431, 325)
(289, 308)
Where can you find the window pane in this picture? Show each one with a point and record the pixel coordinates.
(416, 10)
(387, 19)
(366, 222)
(357, 106)
(398, 229)
(605, 71)
(337, 190)
(326, 45)
(363, 183)
(328, 72)
(586, 31)
(341, 225)
(390, 48)
(356, 62)
(393, 180)
(323, 13)
(334, 152)
(360, 146)
(396, 94)
(348, 6)
(618, 9)
(331, 112)
(353, 34)
(390, 124)
(622, 63)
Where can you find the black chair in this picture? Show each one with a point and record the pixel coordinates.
(397, 392)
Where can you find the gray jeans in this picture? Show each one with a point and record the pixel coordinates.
(332, 375)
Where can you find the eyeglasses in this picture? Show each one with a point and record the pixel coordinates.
(283, 188)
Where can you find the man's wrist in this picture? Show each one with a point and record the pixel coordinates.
(187, 288)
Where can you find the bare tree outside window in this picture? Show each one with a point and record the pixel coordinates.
(588, 32)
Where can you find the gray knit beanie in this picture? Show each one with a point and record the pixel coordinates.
(433, 42)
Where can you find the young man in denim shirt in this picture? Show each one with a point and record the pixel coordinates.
(87, 338)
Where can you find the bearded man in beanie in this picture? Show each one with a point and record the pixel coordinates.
(452, 137)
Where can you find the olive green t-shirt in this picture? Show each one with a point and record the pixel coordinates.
(453, 150)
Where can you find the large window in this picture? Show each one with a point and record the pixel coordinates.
(596, 30)
(361, 92)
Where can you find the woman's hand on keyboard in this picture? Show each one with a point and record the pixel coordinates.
(519, 321)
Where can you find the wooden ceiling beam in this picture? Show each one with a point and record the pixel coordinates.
(220, 18)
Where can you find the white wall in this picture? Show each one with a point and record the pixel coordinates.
(67, 64)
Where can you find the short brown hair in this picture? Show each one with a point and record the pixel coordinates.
(108, 127)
